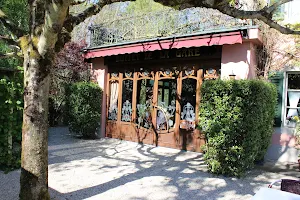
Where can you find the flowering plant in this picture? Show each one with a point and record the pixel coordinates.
(296, 119)
(293, 119)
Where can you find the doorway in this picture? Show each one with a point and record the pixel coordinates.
(157, 106)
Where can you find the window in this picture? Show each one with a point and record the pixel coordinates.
(166, 98)
(166, 104)
(188, 99)
(292, 96)
(144, 99)
(127, 90)
(114, 95)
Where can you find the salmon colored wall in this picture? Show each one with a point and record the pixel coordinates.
(99, 72)
(253, 62)
(238, 59)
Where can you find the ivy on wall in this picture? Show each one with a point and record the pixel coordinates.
(11, 111)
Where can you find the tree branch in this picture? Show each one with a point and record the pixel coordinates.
(288, 54)
(74, 20)
(260, 15)
(10, 25)
(265, 14)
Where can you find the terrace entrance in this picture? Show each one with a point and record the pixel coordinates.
(154, 99)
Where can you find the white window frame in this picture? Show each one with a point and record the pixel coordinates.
(285, 93)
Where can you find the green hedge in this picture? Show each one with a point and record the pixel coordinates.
(84, 101)
(11, 111)
(237, 119)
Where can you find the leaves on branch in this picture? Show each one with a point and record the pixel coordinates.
(14, 29)
(70, 57)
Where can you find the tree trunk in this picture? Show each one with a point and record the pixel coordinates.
(46, 22)
(34, 172)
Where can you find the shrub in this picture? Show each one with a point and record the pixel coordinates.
(69, 67)
(237, 119)
(11, 111)
(84, 108)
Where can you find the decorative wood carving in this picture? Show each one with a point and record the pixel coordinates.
(211, 74)
(114, 75)
(128, 74)
(145, 74)
(166, 73)
(189, 72)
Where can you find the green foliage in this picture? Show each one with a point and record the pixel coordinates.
(66, 70)
(237, 118)
(11, 111)
(17, 11)
(84, 108)
(144, 6)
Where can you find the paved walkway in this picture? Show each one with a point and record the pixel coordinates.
(108, 169)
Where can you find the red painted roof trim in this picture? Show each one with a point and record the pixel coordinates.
(196, 41)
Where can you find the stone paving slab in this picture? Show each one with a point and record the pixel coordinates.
(110, 169)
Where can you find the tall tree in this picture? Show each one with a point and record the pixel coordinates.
(50, 24)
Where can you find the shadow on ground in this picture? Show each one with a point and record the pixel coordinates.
(114, 169)
(111, 169)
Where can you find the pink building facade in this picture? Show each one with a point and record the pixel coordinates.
(152, 88)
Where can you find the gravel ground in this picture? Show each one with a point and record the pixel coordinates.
(110, 169)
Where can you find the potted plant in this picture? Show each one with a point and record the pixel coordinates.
(297, 137)
(292, 121)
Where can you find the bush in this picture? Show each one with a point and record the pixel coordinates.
(84, 108)
(11, 115)
(69, 67)
(237, 119)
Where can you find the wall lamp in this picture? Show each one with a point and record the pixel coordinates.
(232, 76)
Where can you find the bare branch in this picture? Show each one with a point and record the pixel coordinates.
(290, 54)
(71, 21)
(10, 25)
(260, 15)
(74, 20)
(265, 14)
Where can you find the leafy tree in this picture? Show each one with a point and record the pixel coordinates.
(278, 51)
(50, 24)
(69, 67)
(11, 90)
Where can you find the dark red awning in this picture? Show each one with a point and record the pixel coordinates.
(187, 42)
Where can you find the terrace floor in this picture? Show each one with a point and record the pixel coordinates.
(112, 169)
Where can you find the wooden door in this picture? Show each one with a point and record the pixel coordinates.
(157, 107)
